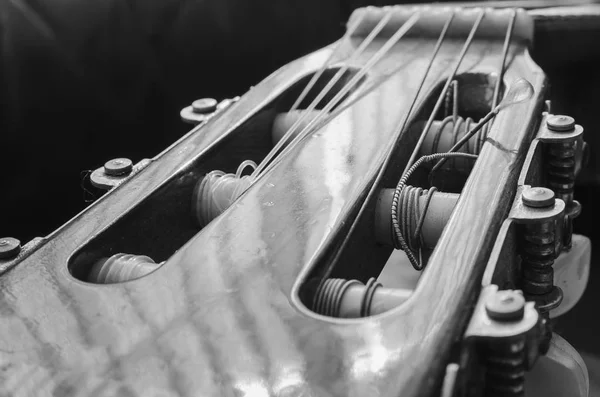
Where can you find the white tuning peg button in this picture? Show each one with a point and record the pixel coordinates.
(571, 273)
(561, 372)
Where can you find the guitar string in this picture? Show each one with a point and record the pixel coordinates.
(483, 125)
(443, 93)
(208, 202)
(327, 63)
(502, 68)
(380, 54)
(417, 262)
(365, 43)
(400, 242)
(421, 84)
(388, 157)
(376, 83)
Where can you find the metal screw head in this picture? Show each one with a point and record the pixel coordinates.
(538, 197)
(117, 167)
(204, 105)
(560, 123)
(506, 305)
(9, 247)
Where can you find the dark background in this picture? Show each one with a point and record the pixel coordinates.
(86, 81)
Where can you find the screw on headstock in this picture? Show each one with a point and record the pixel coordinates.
(9, 247)
(505, 306)
(118, 167)
(204, 105)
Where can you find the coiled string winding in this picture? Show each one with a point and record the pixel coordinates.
(460, 128)
(122, 267)
(410, 212)
(328, 298)
(217, 190)
(406, 198)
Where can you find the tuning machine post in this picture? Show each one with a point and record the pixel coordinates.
(500, 354)
(503, 335)
(555, 158)
(536, 237)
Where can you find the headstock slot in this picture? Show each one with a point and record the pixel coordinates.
(164, 220)
(474, 99)
(365, 256)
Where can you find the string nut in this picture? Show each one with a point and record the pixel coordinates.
(560, 123)
(538, 197)
(506, 305)
(204, 105)
(118, 167)
(9, 247)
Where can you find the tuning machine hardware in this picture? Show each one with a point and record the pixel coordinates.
(9, 247)
(501, 343)
(120, 268)
(500, 354)
(336, 297)
(201, 110)
(527, 246)
(554, 159)
(528, 253)
(556, 163)
(540, 218)
(114, 172)
(415, 208)
(12, 252)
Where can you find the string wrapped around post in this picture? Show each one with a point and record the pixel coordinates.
(442, 96)
(121, 267)
(397, 132)
(399, 225)
(424, 214)
(444, 134)
(343, 92)
(341, 298)
(520, 91)
(217, 191)
(411, 212)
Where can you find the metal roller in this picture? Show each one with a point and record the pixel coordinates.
(121, 267)
(218, 190)
(413, 205)
(445, 133)
(342, 298)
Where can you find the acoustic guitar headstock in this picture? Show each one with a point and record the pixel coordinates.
(389, 215)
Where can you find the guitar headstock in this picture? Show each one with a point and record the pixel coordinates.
(248, 258)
